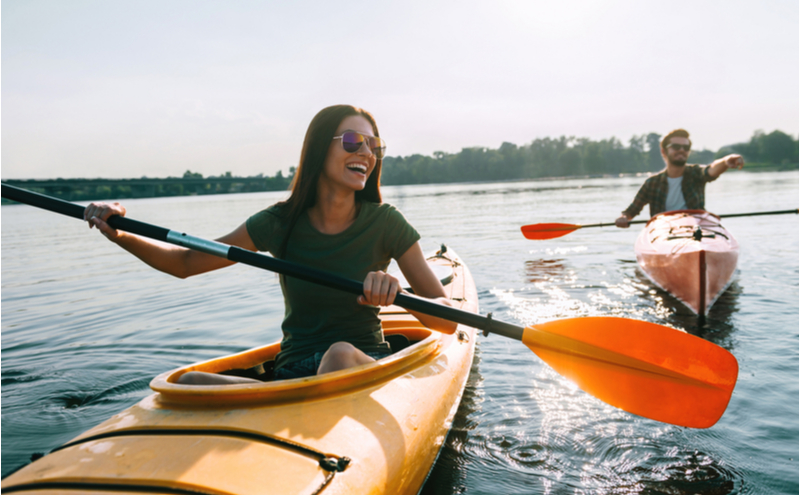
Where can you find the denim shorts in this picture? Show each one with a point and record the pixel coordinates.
(308, 366)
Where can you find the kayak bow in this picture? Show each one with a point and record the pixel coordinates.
(689, 254)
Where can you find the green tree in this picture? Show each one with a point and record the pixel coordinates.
(569, 162)
(654, 159)
(637, 154)
(701, 156)
(776, 148)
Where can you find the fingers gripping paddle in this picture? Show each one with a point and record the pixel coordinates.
(543, 231)
(644, 368)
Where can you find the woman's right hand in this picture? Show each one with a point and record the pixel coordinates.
(380, 289)
(97, 215)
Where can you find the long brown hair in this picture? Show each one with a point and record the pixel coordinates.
(318, 139)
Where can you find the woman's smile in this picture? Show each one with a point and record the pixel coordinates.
(359, 167)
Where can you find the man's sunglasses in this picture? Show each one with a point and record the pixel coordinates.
(676, 147)
(352, 142)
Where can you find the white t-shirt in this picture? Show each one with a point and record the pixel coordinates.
(675, 199)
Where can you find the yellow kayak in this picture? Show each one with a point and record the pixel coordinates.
(376, 428)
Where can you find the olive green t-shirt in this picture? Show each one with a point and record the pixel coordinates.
(317, 316)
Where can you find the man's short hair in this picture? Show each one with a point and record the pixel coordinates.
(676, 133)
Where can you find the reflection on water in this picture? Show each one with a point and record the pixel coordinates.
(538, 271)
(715, 327)
(497, 189)
(449, 474)
(543, 433)
(719, 325)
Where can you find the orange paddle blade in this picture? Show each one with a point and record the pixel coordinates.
(541, 231)
(647, 369)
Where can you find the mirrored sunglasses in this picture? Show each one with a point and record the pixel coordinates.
(676, 147)
(352, 142)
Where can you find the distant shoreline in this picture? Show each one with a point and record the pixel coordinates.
(106, 189)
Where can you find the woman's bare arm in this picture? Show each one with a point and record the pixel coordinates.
(425, 283)
(174, 260)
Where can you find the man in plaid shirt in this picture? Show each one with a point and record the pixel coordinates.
(679, 186)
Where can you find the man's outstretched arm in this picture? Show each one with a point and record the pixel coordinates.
(720, 166)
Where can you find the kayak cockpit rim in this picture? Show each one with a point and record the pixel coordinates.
(427, 345)
(684, 212)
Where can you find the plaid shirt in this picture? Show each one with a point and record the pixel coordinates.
(654, 191)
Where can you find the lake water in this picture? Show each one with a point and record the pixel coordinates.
(85, 327)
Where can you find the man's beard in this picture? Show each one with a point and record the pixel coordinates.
(678, 163)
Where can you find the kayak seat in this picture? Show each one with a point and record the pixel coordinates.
(397, 341)
(263, 371)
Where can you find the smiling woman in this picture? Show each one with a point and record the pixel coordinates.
(334, 220)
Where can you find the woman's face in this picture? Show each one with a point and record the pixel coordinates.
(349, 170)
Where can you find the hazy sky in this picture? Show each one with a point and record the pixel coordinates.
(132, 88)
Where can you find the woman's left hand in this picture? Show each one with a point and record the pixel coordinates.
(380, 289)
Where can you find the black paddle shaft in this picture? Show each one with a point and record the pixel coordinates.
(731, 215)
(287, 268)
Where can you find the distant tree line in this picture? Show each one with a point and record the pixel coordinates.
(191, 184)
(773, 148)
(543, 157)
(570, 156)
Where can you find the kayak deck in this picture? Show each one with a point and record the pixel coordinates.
(375, 428)
(689, 254)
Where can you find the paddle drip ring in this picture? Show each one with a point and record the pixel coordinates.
(488, 328)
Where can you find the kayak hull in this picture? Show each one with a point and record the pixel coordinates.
(689, 254)
(375, 428)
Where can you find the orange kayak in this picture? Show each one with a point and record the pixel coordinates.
(375, 428)
(689, 254)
